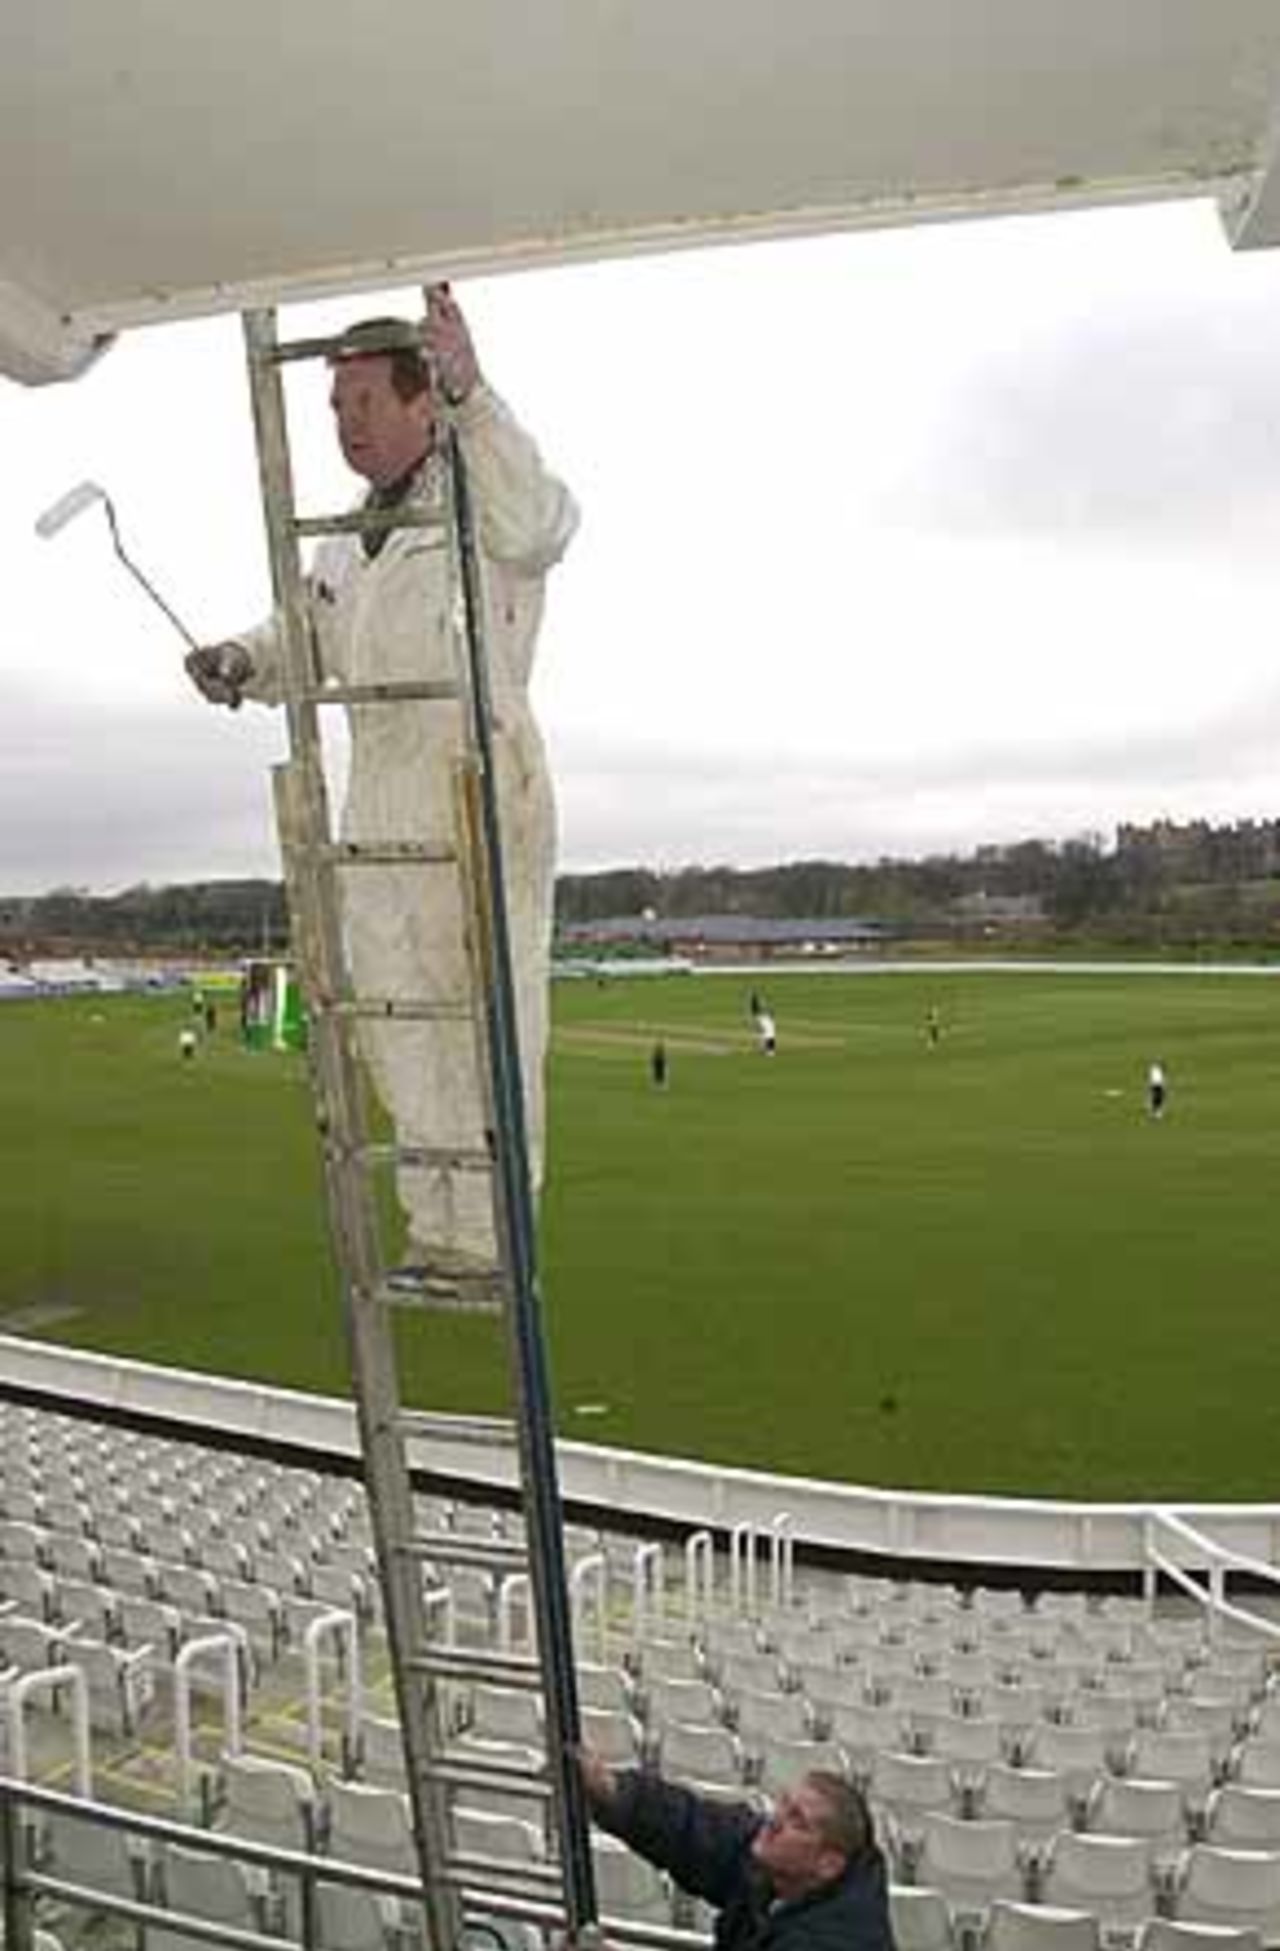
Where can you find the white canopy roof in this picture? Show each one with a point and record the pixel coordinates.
(161, 158)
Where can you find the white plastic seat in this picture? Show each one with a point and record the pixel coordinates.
(997, 1602)
(341, 1587)
(692, 1752)
(1078, 1753)
(757, 1671)
(1040, 1927)
(823, 1682)
(903, 1788)
(616, 1737)
(113, 1524)
(372, 1826)
(971, 1863)
(505, 1714)
(603, 1686)
(121, 1684)
(1177, 1934)
(800, 1641)
(921, 1919)
(266, 1801)
(863, 1731)
(1240, 1817)
(30, 1644)
(27, 1586)
(1211, 1716)
(142, 1621)
(679, 1697)
(1109, 1875)
(1181, 1755)
(1019, 1706)
(781, 1759)
(679, 1659)
(1072, 1607)
(189, 1587)
(920, 1694)
(381, 1750)
(1036, 1801)
(627, 1886)
(725, 1638)
(21, 1542)
(485, 1832)
(165, 1538)
(1229, 1679)
(222, 1555)
(970, 1673)
(86, 1852)
(1257, 1763)
(757, 1716)
(1265, 1719)
(349, 1918)
(74, 1557)
(94, 1609)
(967, 1741)
(127, 1570)
(1128, 1806)
(1237, 1887)
(889, 1668)
(258, 1609)
(212, 1887)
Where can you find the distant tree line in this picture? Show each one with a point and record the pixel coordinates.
(192, 917)
(1160, 883)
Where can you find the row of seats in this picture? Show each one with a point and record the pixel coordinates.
(1120, 1880)
(923, 1920)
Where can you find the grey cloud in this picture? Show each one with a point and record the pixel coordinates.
(656, 806)
(103, 799)
(1164, 416)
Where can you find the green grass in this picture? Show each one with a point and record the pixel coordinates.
(976, 1267)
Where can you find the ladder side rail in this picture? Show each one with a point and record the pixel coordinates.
(303, 800)
(516, 1217)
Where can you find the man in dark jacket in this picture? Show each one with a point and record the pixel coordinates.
(807, 1877)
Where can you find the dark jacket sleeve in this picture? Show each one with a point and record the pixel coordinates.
(702, 1844)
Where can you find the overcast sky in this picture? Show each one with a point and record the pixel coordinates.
(892, 542)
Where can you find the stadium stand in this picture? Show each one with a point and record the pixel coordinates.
(1064, 1766)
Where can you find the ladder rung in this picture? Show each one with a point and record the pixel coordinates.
(461, 1772)
(473, 1294)
(447, 1547)
(439, 1427)
(368, 521)
(387, 853)
(287, 352)
(470, 1866)
(386, 1009)
(397, 691)
(439, 1158)
(473, 1663)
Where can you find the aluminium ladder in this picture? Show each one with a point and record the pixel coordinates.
(314, 862)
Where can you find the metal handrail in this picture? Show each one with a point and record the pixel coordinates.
(1221, 1560)
(23, 1882)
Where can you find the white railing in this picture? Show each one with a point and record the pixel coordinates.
(51, 1680)
(1215, 1562)
(523, 1892)
(906, 1526)
(229, 1650)
(343, 1629)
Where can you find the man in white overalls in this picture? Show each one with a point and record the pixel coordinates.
(380, 604)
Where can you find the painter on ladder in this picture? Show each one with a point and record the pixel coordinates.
(380, 606)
